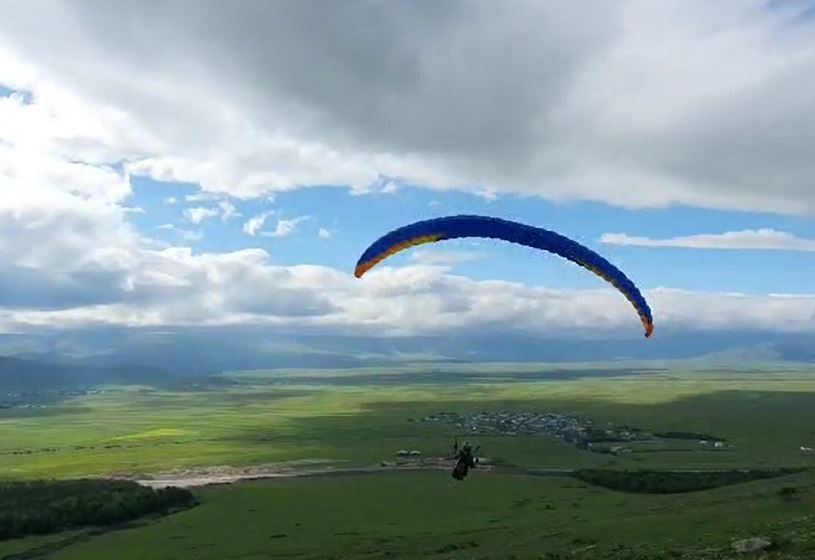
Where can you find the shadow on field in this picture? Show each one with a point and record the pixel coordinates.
(56, 408)
(761, 428)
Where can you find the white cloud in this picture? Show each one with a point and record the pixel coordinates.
(170, 200)
(391, 187)
(444, 257)
(766, 239)
(188, 235)
(225, 210)
(202, 197)
(490, 195)
(780, 312)
(174, 287)
(199, 214)
(285, 227)
(228, 210)
(379, 185)
(256, 223)
(324, 233)
(616, 102)
(184, 234)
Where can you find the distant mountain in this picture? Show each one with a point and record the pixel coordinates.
(143, 355)
(25, 376)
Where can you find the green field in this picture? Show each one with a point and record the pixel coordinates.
(425, 515)
(361, 417)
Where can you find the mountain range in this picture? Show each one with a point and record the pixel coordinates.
(70, 359)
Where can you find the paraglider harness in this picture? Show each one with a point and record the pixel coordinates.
(465, 459)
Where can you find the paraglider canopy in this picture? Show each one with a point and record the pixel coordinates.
(451, 227)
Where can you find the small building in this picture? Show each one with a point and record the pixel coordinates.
(415, 453)
(402, 453)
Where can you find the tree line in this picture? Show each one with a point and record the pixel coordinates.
(670, 482)
(41, 507)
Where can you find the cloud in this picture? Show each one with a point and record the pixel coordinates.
(184, 234)
(285, 227)
(170, 200)
(490, 195)
(203, 197)
(199, 214)
(174, 287)
(764, 239)
(324, 233)
(611, 102)
(380, 185)
(228, 210)
(390, 188)
(444, 257)
(588, 107)
(255, 224)
(225, 210)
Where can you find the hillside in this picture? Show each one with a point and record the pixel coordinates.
(204, 351)
(25, 376)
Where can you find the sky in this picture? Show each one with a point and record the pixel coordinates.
(194, 163)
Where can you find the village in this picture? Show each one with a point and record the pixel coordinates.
(580, 432)
(568, 428)
(38, 399)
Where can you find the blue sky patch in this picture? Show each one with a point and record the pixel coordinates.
(350, 222)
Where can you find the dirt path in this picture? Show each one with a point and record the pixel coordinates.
(193, 478)
(229, 475)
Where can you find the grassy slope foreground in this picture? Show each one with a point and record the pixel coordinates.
(428, 515)
(360, 418)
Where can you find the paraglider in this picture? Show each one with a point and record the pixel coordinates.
(452, 227)
(465, 460)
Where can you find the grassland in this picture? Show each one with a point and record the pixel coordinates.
(359, 418)
(427, 515)
(272, 417)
